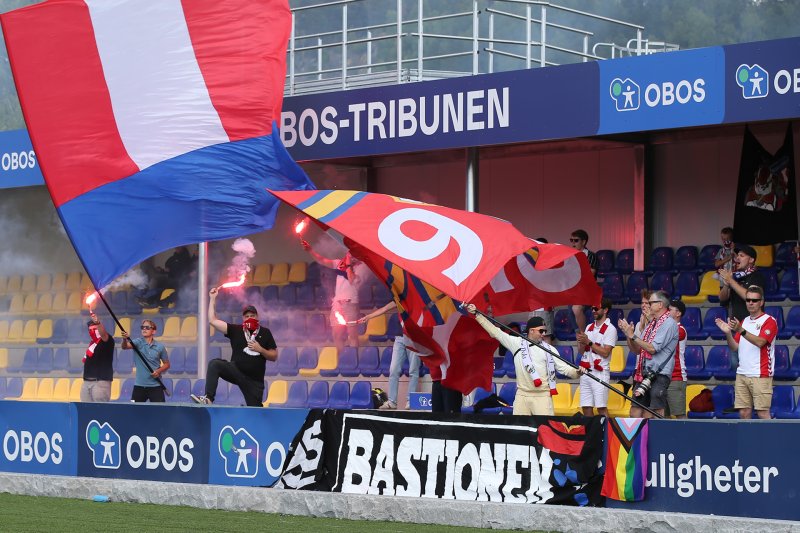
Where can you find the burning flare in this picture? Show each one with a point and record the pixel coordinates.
(339, 318)
(91, 299)
(230, 284)
(301, 226)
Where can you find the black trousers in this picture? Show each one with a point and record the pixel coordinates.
(142, 394)
(253, 391)
(444, 400)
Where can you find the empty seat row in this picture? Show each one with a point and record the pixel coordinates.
(29, 283)
(327, 362)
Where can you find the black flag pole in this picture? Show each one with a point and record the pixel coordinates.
(570, 363)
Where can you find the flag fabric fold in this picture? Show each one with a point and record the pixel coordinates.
(153, 122)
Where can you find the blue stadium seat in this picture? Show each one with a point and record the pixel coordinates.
(788, 285)
(692, 323)
(77, 332)
(705, 261)
(624, 261)
(633, 316)
(126, 390)
(709, 325)
(685, 259)
(13, 387)
(613, 288)
(614, 315)
(723, 401)
(381, 295)
(279, 326)
(507, 393)
(386, 360)
(119, 302)
(61, 359)
(317, 328)
(235, 396)
(793, 321)
(498, 371)
(199, 387)
(3, 388)
(29, 361)
(307, 358)
(771, 287)
(393, 327)
(221, 396)
(695, 363)
(686, 284)
(181, 391)
(305, 296)
(60, 331)
(719, 363)
(565, 352)
(287, 361)
(361, 395)
(782, 400)
(318, 395)
(323, 294)
(365, 300)
(346, 364)
(508, 365)
(124, 362)
(298, 395)
(637, 282)
(783, 369)
(776, 311)
(214, 352)
(313, 273)
(662, 281)
(44, 363)
(177, 360)
(369, 363)
(785, 256)
(287, 296)
(270, 295)
(605, 261)
(564, 325)
(630, 366)
(298, 329)
(661, 259)
(480, 394)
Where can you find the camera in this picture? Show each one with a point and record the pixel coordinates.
(646, 383)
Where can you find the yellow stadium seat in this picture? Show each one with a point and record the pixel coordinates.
(28, 283)
(618, 406)
(31, 301)
(280, 274)
(189, 329)
(261, 275)
(61, 390)
(44, 392)
(172, 329)
(126, 323)
(45, 331)
(73, 281)
(3, 284)
(692, 391)
(164, 295)
(17, 304)
(765, 255)
(86, 283)
(14, 284)
(15, 331)
(75, 390)
(74, 303)
(59, 304)
(29, 389)
(59, 282)
(4, 325)
(116, 388)
(575, 406)
(44, 282)
(562, 400)
(375, 326)
(297, 272)
(278, 392)
(709, 286)
(328, 359)
(45, 304)
(30, 331)
(3, 357)
(617, 363)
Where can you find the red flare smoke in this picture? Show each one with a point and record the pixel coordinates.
(301, 226)
(90, 299)
(238, 283)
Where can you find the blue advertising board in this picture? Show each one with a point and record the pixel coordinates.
(38, 438)
(723, 468)
(18, 164)
(248, 446)
(144, 441)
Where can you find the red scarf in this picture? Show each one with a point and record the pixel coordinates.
(648, 335)
(587, 351)
(95, 335)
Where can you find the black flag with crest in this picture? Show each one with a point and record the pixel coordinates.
(766, 205)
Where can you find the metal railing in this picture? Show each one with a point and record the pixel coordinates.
(412, 40)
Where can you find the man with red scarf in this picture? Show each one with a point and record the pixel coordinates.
(98, 372)
(251, 346)
(656, 349)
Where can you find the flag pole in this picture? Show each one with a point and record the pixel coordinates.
(135, 349)
(570, 363)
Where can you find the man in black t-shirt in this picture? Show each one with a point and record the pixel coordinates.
(578, 240)
(734, 284)
(251, 346)
(98, 370)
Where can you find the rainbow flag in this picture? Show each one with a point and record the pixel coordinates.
(626, 459)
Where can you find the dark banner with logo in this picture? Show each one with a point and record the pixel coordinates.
(479, 458)
(153, 442)
(38, 438)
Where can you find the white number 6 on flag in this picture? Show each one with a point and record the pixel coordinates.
(470, 245)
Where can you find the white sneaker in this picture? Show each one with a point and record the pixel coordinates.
(388, 405)
(408, 406)
(204, 400)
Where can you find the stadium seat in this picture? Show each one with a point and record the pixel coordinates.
(339, 397)
(563, 399)
(793, 321)
(318, 395)
(61, 389)
(124, 362)
(637, 281)
(29, 361)
(695, 363)
(298, 395)
(235, 397)
(347, 363)
(381, 295)
(3, 358)
(279, 274)
(685, 259)
(376, 330)
(782, 400)
(766, 256)
(783, 369)
(498, 371)
(618, 406)
(126, 323)
(563, 324)
(61, 359)
(365, 296)
(307, 358)
(2, 388)
(28, 283)
(327, 360)
(181, 390)
(171, 331)
(692, 323)
(29, 389)
(624, 262)
(74, 303)
(44, 334)
(261, 275)
(30, 303)
(386, 361)
(17, 305)
(14, 388)
(692, 391)
(709, 290)
(59, 282)
(287, 296)
(177, 359)
(4, 327)
(480, 394)
(776, 312)
(44, 392)
(723, 401)
(661, 259)
(709, 325)
(687, 283)
(613, 288)
(317, 327)
(44, 305)
(662, 281)
(617, 362)
(14, 284)
(630, 364)
(508, 365)
(719, 363)
(188, 329)
(369, 364)
(771, 287)
(126, 390)
(788, 284)
(3, 284)
(507, 393)
(297, 272)
(705, 261)
(287, 361)
(361, 395)
(567, 353)
(214, 352)
(305, 297)
(76, 356)
(785, 256)
(44, 362)
(605, 261)
(313, 273)
(393, 327)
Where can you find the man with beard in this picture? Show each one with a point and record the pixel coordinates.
(595, 345)
(735, 282)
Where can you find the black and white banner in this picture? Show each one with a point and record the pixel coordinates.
(480, 458)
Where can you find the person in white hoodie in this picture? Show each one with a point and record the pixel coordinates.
(535, 367)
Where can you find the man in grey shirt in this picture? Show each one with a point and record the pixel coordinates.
(656, 349)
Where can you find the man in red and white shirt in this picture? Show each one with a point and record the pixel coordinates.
(595, 346)
(753, 338)
(676, 393)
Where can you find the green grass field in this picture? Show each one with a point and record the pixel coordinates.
(36, 513)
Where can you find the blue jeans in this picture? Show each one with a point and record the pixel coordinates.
(399, 355)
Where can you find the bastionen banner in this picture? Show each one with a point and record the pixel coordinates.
(479, 458)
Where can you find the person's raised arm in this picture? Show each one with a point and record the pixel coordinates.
(324, 261)
(216, 323)
(378, 312)
(101, 329)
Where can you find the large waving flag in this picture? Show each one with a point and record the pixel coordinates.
(153, 121)
(433, 258)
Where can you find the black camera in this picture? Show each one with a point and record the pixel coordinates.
(646, 383)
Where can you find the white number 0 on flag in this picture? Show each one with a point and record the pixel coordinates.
(470, 245)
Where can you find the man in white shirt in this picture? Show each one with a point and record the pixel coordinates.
(753, 338)
(595, 345)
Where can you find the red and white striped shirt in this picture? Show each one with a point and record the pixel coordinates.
(757, 362)
(679, 372)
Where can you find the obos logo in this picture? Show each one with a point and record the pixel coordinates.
(26, 447)
(239, 450)
(754, 81)
(150, 451)
(627, 94)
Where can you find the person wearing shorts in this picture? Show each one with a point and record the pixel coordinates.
(676, 394)
(595, 345)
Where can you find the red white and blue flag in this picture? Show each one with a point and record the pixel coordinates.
(153, 121)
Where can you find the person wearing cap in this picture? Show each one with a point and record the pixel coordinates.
(535, 365)
(676, 393)
(98, 370)
(595, 345)
(252, 345)
(735, 283)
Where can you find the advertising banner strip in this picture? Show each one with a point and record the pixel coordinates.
(38, 438)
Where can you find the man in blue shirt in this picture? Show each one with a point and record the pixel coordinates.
(146, 386)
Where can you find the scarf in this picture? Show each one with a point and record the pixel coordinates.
(739, 274)
(587, 361)
(527, 362)
(648, 335)
(248, 337)
(95, 335)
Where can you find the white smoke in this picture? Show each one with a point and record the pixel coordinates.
(132, 278)
(245, 251)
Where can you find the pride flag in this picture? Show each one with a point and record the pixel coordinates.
(153, 121)
(626, 459)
